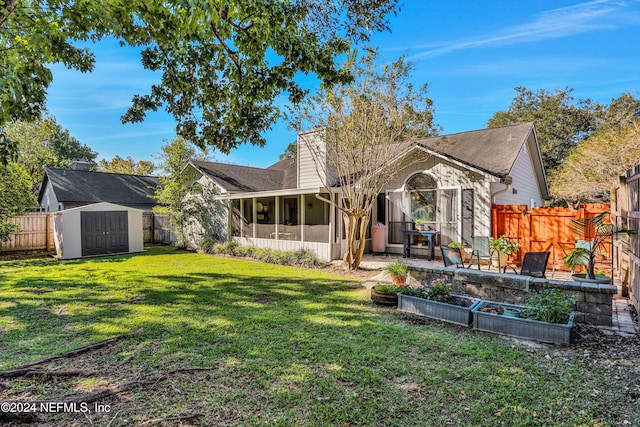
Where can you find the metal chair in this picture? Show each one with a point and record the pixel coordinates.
(534, 264)
(452, 256)
(480, 249)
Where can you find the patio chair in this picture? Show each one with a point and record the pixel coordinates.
(452, 256)
(480, 249)
(534, 264)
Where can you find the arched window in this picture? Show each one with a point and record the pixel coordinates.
(423, 195)
(421, 181)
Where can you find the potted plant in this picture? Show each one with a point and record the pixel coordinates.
(419, 224)
(383, 294)
(458, 245)
(547, 317)
(587, 251)
(436, 301)
(502, 247)
(398, 270)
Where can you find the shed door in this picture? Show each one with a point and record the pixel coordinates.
(104, 232)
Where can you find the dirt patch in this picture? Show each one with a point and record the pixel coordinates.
(19, 256)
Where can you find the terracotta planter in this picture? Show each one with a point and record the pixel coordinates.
(499, 257)
(398, 280)
(384, 298)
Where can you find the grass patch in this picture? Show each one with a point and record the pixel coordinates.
(285, 346)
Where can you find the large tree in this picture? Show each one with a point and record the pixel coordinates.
(45, 143)
(362, 132)
(591, 169)
(126, 166)
(180, 199)
(561, 123)
(222, 64)
(16, 196)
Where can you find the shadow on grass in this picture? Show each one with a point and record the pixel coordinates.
(61, 306)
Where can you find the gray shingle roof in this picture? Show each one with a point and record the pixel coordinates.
(492, 150)
(234, 178)
(76, 186)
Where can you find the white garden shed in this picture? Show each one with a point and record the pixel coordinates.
(97, 229)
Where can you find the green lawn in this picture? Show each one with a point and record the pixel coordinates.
(285, 346)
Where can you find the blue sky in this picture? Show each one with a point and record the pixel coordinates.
(470, 53)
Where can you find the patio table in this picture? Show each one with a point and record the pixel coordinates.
(430, 235)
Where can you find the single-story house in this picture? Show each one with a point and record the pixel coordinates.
(69, 188)
(453, 190)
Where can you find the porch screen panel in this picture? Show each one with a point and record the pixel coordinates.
(316, 214)
(247, 218)
(396, 217)
(448, 207)
(236, 218)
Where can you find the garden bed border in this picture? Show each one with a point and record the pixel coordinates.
(593, 302)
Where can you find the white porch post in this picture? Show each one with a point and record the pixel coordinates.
(275, 219)
(332, 219)
(302, 216)
(241, 217)
(254, 209)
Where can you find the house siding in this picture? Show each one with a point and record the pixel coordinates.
(524, 183)
(308, 175)
(49, 201)
(449, 174)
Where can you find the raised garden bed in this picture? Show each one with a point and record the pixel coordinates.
(487, 317)
(460, 313)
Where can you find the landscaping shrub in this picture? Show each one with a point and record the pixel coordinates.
(301, 257)
(306, 258)
(207, 244)
(549, 305)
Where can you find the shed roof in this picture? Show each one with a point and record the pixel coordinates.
(77, 186)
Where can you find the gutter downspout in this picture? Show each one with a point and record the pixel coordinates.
(506, 180)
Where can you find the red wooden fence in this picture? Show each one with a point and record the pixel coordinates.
(543, 229)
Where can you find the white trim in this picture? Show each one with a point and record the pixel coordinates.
(274, 193)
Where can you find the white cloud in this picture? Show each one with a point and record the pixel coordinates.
(557, 23)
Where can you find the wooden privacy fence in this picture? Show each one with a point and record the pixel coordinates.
(626, 206)
(543, 229)
(156, 229)
(36, 232)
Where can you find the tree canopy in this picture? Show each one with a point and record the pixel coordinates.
(560, 122)
(222, 65)
(126, 166)
(360, 128)
(45, 143)
(175, 186)
(291, 152)
(592, 168)
(16, 196)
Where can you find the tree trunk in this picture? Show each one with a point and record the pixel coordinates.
(364, 222)
(591, 269)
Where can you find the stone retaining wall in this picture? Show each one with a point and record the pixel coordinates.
(593, 301)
